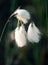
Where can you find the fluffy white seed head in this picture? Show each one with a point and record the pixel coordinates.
(33, 33)
(20, 36)
(22, 15)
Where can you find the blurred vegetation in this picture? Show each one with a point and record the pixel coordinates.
(34, 54)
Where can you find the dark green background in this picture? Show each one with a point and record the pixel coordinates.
(39, 16)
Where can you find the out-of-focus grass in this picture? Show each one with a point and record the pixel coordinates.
(40, 7)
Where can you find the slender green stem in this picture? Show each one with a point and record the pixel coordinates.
(18, 24)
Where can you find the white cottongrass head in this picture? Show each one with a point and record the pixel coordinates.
(33, 33)
(20, 36)
(22, 15)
